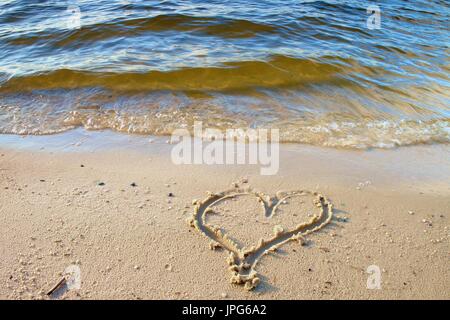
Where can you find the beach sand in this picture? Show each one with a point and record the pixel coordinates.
(119, 214)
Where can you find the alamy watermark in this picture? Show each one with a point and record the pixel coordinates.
(73, 15)
(374, 20)
(232, 146)
(73, 277)
(374, 279)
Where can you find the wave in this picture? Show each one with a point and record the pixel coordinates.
(212, 26)
(279, 71)
(330, 131)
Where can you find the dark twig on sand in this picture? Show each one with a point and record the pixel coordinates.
(57, 286)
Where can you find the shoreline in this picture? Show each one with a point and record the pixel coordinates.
(101, 201)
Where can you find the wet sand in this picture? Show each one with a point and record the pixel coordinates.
(117, 210)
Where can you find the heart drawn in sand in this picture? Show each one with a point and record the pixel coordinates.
(242, 262)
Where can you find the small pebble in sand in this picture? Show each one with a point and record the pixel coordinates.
(133, 184)
(168, 267)
(224, 295)
(170, 194)
(411, 212)
(82, 165)
(277, 230)
(136, 267)
(101, 184)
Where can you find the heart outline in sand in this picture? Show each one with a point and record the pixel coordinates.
(242, 261)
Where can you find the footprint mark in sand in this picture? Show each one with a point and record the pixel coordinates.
(242, 261)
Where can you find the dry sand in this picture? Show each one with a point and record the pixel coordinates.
(119, 214)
